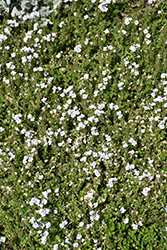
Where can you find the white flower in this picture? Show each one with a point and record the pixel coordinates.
(163, 75)
(86, 17)
(132, 141)
(124, 32)
(75, 245)
(32, 220)
(86, 41)
(110, 47)
(43, 240)
(81, 224)
(61, 24)
(148, 42)
(32, 201)
(126, 221)
(111, 105)
(79, 236)
(136, 22)
(96, 217)
(125, 145)
(119, 114)
(48, 225)
(111, 181)
(58, 55)
(86, 76)
(84, 96)
(122, 210)
(40, 177)
(2, 239)
(132, 48)
(127, 20)
(148, 35)
(96, 172)
(63, 224)
(103, 8)
(78, 48)
(106, 31)
(140, 223)
(145, 191)
(55, 247)
(145, 31)
(43, 212)
(35, 225)
(135, 226)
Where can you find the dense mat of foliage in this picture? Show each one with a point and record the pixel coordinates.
(83, 150)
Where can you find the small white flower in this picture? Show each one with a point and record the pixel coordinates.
(48, 225)
(111, 105)
(84, 96)
(96, 172)
(103, 8)
(126, 221)
(86, 41)
(148, 42)
(1, 129)
(125, 145)
(40, 177)
(145, 31)
(145, 191)
(110, 47)
(86, 76)
(79, 236)
(111, 181)
(32, 220)
(127, 20)
(55, 247)
(75, 245)
(96, 217)
(2, 239)
(122, 210)
(140, 223)
(106, 31)
(136, 22)
(148, 35)
(86, 17)
(78, 48)
(58, 55)
(81, 224)
(132, 48)
(132, 141)
(163, 75)
(63, 224)
(43, 240)
(61, 24)
(135, 226)
(56, 190)
(35, 225)
(124, 32)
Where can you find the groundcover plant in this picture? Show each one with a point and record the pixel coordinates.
(83, 128)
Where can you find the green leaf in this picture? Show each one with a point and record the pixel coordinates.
(116, 12)
(57, 238)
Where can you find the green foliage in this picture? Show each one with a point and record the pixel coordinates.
(51, 149)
